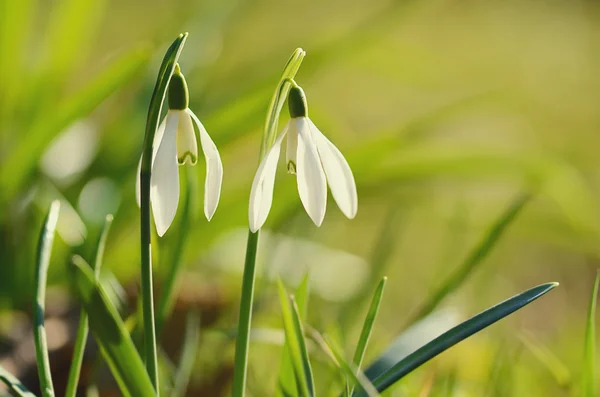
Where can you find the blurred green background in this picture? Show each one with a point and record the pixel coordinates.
(446, 110)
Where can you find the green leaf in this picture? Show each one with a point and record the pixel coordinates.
(83, 327)
(21, 160)
(44, 251)
(188, 355)
(475, 257)
(359, 380)
(286, 384)
(279, 98)
(384, 380)
(365, 334)
(589, 367)
(109, 331)
(294, 335)
(14, 384)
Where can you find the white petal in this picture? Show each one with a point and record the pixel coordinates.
(292, 147)
(312, 185)
(164, 183)
(214, 169)
(187, 147)
(338, 172)
(157, 138)
(261, 195)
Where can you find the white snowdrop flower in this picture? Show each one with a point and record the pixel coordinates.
(314, 160)
(175, 144)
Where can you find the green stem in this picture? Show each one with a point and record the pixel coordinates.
(245, 317)
(83, 327)
(44, 251)
(158, 97)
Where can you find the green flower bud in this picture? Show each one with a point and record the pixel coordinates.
(179, 98)
(297, 103)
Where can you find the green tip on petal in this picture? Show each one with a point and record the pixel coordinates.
(291, 167)
(297, 102)
(187, 157)
(179, 97)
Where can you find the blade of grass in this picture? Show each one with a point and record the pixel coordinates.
(14, 384)
(188, 355)
(475, 258)
(359, 380)
(559, 371)
(384, 380)
(589, 367)
(83, 327)
(294, 336)
(110, 333)
(365, 334)
(44, 252)
(286, 381)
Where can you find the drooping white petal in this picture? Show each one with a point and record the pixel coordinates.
(157, 138)
(187, 147)
(312, 185)
(338, 172)
(164, 182)
(292, 147)
(214, 169)
(261, 195)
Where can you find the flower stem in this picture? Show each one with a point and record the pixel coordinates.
(245, 317)
(158, 97)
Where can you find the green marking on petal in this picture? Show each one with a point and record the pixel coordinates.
(187, 157)
(291, 167)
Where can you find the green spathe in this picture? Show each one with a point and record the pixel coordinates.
(297, 102)
(179, 97)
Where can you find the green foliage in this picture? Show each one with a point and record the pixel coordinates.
(589, 367)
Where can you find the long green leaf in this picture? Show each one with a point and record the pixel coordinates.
(110, 333)
(286, 382)
(294, 335)
(44, 252)
(589, 367)
(365, 334)
(14, 384)
(83, 327)
(475, 258)
(457, 334)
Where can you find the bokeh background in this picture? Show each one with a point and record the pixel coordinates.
(447, 111)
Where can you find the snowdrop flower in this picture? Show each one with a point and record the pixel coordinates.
(175, 144)
(316, 163)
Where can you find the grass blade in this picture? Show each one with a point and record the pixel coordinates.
(83, 327)
(109, 331)
(188, 355)
(353, 372)
(44, 252)
(14, 384)
(589, 367)
(286, 382)
(457, 334)
(475, 258)
(294, 336)
(365, 334)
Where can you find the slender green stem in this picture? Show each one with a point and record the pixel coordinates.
(44, 251)
(158, 97)
(245, 317)
(83, 327)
